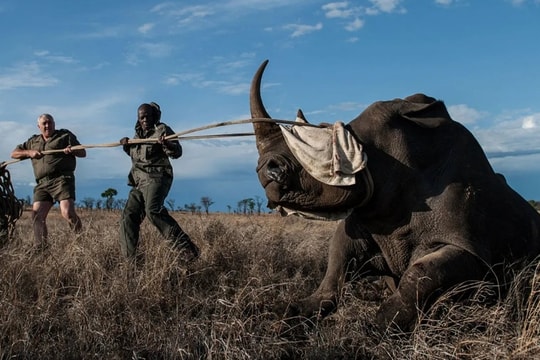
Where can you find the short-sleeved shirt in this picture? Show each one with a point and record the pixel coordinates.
(56, 164)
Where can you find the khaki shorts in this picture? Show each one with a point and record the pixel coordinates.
(56, 189)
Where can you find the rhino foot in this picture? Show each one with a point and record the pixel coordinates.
(310, 309)
(396, 316)
(299, 318)
(313, 307)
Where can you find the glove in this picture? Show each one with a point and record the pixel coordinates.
(124, 141)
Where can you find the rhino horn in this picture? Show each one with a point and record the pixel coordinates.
(265, 132)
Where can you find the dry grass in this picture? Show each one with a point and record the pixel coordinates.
(82, 300)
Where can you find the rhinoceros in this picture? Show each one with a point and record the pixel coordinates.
(427, 210)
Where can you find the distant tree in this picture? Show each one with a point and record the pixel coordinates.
(170, 204)
(120, 203)
(229, 207)
(206, 202)
(245, 204)
(109, 195)
(88, 203)
(99, 204)
(241, 206)
(251, 205)
(191, 207)
(259, 202)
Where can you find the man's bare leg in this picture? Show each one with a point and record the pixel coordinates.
(40, 210)
(67, 208)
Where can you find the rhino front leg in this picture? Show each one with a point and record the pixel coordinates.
(348, 243)
(423, 281)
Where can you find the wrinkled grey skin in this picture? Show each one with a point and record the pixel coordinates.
(438, 216)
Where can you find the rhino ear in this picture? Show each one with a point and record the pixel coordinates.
(425, 111)
(420, 98)
(300, 116)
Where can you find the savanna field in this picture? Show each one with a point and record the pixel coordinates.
(82, 300)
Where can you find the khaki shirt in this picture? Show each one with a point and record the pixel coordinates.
(56, 164)
(151, 160)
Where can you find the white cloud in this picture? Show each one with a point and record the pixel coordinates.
(155, 50)
(215, 14)
(176, 79)
(444, 2)
(54, 58)
(145, 28)
(514, 137)
(300, 30)
(259, 4)
(184, 15)
(211, 158)
(101, 32)
(148, 50)
(25, 75)
(464, 114)
(344, 10)
(111, 162)
(355, 25)
(235, 89)
(385, 6)
(198, 80)
(224, 87)
(18, 132)
(228, 8)
(521, 2)
(530, 122)
(338, 10)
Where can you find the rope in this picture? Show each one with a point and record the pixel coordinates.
(11, 208)
(180, 135)
(246, 121)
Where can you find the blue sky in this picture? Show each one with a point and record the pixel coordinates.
(90, 64)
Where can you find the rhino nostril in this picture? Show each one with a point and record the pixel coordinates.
(274, 172)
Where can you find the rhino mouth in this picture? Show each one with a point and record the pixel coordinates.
(314, 215)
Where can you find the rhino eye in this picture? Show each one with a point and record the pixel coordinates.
(272, 164)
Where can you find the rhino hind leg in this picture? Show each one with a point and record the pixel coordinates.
(423, 281)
